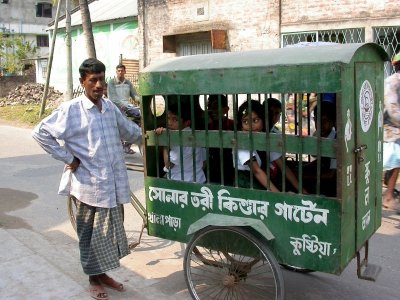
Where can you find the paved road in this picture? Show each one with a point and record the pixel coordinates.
(38, 247)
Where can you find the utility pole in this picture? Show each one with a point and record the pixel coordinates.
(53, 41)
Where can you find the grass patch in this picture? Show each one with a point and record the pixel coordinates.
(23, 115)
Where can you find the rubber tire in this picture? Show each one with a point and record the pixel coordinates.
(193, 262)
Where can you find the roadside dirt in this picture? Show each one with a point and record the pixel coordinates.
(15, 123)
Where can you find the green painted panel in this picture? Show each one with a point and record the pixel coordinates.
(346, 164)
(305, 228)
(287, 70)
(125, 25)
(261, 141)
(251, 80)
(101, 28)
(368, 159)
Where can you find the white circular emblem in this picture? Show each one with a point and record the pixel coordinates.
(366, 105)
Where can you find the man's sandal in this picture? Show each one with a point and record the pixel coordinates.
(97, 291)
(111, 283)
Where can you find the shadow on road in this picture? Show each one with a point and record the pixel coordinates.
(12, 200)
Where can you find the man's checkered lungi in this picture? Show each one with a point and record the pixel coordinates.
(102, 237)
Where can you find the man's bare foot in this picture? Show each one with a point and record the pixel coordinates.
(391, 203)
(111, 283)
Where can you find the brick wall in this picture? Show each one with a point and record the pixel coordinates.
(9, 83)
(337, 14)
(255, 24)
(251, 24)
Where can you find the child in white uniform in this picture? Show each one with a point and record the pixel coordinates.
(173, 165)
(247, 160)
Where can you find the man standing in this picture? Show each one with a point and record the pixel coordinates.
(391, 145)
(119, 91)
(95, 175)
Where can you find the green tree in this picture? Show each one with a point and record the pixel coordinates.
(14, 51)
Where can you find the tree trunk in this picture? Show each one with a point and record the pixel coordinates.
(87, 28)
(68, 44)
(50, 62)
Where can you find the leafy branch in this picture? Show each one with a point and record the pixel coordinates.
(14, 50)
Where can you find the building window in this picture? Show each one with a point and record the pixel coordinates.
(44, 10)
(389, 39)
(204, 42)
(42, 41)
(4, 1)
(43, 67)
(44, 72)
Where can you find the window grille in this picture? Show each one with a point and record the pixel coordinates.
(343, 36)
(389, 39)
(44, 72)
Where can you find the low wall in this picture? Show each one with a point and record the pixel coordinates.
(9, 83)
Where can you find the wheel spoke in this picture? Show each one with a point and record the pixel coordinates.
(229, 263)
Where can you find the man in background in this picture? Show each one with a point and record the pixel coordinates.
(120, 90)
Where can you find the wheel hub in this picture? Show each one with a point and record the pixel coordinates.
(229, 280)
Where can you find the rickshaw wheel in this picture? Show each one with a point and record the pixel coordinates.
(231, 263)
(72, 211)
(71, 205)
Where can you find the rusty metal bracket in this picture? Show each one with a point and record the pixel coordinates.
(366, 270)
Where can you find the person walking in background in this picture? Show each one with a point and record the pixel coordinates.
(391, 127)
(95, 176)
(119, 91)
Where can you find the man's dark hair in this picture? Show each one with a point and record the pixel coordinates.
(119, 66)
(91, 65)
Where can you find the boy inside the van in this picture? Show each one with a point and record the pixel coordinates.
(327, 128)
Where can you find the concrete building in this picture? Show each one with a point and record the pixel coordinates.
(178, 27)
(115, 31)
(30, 18)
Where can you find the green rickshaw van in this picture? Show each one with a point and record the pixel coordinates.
(238, 237)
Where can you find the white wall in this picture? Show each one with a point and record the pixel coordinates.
(109, 45)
